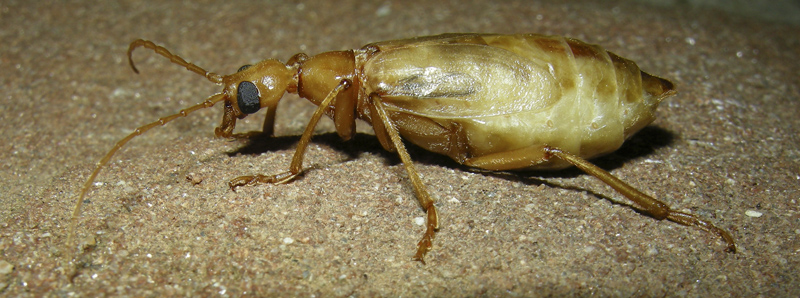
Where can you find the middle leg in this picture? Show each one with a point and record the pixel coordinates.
(388, 128)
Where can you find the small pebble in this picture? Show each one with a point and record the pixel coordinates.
(5, 267)
(752, 213)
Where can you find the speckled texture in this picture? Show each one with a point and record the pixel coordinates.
(725, 145)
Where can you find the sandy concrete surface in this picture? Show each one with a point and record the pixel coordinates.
(162, 222)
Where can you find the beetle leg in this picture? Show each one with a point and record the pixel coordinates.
(268, 128)
(643, 202)
(296, 167)
(509, 160)
(424, 245)
(225, 129)
(455, 143)
(379, 127)
(344, 110)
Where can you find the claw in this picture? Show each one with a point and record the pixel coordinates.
(424, 246)
(262, 179)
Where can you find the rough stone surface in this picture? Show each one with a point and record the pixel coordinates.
(162, 222)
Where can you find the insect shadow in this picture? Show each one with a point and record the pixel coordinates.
(639, 145)
(360, 143)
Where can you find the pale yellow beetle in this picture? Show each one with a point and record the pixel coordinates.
(494, 102)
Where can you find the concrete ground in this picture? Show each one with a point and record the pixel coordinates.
(160, 219)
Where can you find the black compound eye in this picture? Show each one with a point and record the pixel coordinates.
(246, 66)
(247, 97)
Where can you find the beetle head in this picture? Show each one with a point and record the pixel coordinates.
(256, 86)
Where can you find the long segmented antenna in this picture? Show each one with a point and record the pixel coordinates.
(209, 102)
(215, 78)
(142, 129)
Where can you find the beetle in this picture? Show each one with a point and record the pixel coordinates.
(488, 101)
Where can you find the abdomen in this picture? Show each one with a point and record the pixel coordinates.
(472, 95)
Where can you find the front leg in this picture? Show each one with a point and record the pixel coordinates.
(225, 129)
(260, 179)
(296, 167)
